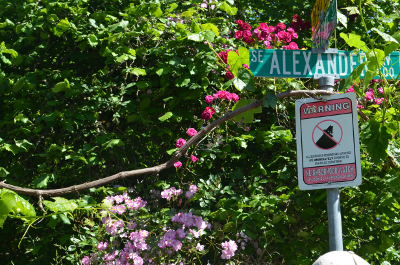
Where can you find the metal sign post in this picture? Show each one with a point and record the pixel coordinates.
(333, 195)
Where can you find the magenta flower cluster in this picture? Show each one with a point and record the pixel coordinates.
(270, 36)
(370, 96)
(180, 142)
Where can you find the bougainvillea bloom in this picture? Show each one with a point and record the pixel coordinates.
(369, 95)
(191, 132)
(178, 164)
(209, 99)
(180, 142)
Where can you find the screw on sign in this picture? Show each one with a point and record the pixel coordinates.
(340, 258)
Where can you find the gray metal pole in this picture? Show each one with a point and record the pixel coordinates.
(333, 195)
(334, 220)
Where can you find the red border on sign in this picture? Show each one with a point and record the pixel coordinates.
(321, 109)
(341, 136)
(341, 173)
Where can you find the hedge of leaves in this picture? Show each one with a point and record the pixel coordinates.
(92, 88)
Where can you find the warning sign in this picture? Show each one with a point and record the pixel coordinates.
(328, 152)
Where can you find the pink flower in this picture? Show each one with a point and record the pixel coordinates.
(351, 89)
(381, 90)
(280, 26)
(85, 260)
(206, 115)
(246, 66)
(143, 233)
(378, 101)
(369, 95)
(293, 46)
(180, 233)
(238, 35)
(193, 188)
(176, 245)
(234, 97)
(199, 247)
(193, 158)
(180, 142)
(210, 110)
(178, 164)
(248, 40)
(247, 129)
(229, 75)
(209, 99)
(239, 22)
(191, 132)
(228, 249)
(189, 194)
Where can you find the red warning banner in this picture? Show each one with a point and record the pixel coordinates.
(318, 175)
(320, 109)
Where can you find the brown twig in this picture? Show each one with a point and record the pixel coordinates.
(168, 164)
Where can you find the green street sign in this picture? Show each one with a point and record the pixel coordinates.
(325, 21)
(305, 64)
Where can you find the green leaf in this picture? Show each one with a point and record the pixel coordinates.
(41, 182)
(386, 242)
(19, 84)
(138, 71)
(64, 219)
(342, 18)
(270, 100)
(385, 36)
(64, 24)
(112, 143)
(374, 135)
(228, 9)
(12, 202)
(61, 86)
(244, 80)
(145, 103)
(212, 27)
(353, 77)
(23, 144)
(208, 35)
(60, 205)
(166, 116)
(93, 41)
(319, 229)
(391, 47)
(3, 172)
(236, 61)
(21, 118)
(122, 58)
(163, 71)
(354, 40)
(92, 22)
(195, 36)
(158, 12)
(247, 116)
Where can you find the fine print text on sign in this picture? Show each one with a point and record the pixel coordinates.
(328, 152)
(305, 64)
(323, 29)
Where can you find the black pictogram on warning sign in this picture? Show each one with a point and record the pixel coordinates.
(327, 134)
